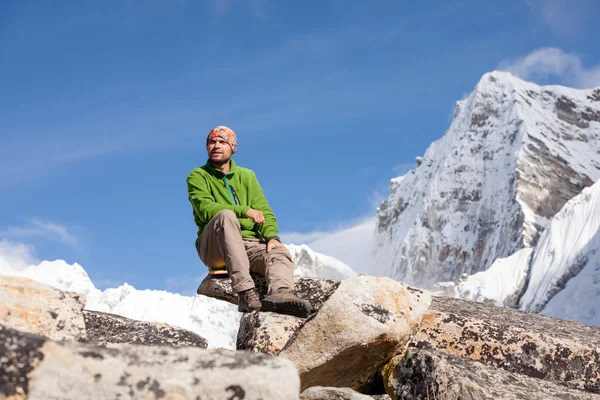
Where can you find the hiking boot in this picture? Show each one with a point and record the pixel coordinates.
(286, 302)
(249, 300)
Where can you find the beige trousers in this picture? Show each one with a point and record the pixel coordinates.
(221, 240)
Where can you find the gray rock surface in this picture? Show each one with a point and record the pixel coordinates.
(315, 290)
(334, 393)
(103, 328)
(428, 374)
(360, 327)
(267, 332)
(525, 343)
(38, 308)
(36, 368)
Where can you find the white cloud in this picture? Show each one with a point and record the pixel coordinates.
(547, 62)
(39, 228)
(16, 256)
(351, 245)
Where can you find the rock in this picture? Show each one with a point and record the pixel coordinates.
(315, 290)
(333, 393)
(218, 287)
(266, 332)
(34, 367)
(103, 328)
(525, 343)
(360, 327)
(429, 374)
(34, 307)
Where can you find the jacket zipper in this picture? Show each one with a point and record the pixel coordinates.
(230, 191)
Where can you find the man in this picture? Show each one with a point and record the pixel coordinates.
(236, 227)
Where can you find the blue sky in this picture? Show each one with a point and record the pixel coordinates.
(105, 106)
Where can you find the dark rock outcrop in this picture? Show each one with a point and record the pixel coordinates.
(34, 367)
(103, 328)
(334, 393)
(428, 374)
(555, 350)
(315, 290)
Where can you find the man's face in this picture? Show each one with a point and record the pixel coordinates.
(219, 151)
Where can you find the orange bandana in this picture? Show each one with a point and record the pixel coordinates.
(224, 133)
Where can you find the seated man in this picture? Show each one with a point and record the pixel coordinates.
(237, 228)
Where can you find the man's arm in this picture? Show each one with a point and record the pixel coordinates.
(259, 202)
(204, 203)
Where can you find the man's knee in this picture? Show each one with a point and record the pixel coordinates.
(225, 217)
(282, 255)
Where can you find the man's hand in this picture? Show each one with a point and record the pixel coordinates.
(256, 216)
(273, 244)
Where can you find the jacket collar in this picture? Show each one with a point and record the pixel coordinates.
(215, 171)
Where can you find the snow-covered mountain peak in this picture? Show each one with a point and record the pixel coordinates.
(514, 154)
(311, 263)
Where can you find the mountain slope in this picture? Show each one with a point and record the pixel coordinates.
(514, 154)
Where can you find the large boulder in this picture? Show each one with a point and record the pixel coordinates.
(530, 344)
(38, 308)
(314, 290)
(103, 328)
(361, 326)
(429, 374)
(34, 367)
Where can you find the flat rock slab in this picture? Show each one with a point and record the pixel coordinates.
(36, 368)
(360, 327)
(334, 393)
(429, 374)
(103, 328)
(38, 308)
(556, 350)
(267, 332)
(315, 290)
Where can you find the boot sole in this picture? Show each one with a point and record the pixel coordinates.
(296, 308)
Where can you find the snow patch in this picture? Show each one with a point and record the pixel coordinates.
(501, 284)
(311, 263)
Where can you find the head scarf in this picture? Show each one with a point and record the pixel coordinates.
(224, 133)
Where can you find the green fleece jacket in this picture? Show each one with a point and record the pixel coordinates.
(211, 191)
